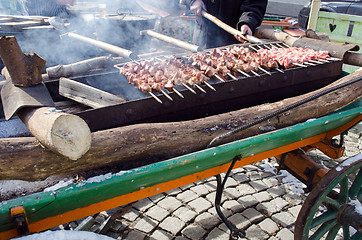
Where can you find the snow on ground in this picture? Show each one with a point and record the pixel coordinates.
(65, 235)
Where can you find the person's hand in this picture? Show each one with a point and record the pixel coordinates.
(197, 7)
(245, 30)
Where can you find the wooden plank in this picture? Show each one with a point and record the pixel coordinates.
(86, 94)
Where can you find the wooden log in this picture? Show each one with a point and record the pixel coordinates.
(86, 94)
(160, 141)
(24, 69)
(63, 133)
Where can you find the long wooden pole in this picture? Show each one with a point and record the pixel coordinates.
(144, 143)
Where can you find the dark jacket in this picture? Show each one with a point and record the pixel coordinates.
(232, 12)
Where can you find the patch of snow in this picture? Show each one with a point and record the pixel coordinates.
(358, 206)
(65, 235)
(267, 128)
(214, 128)
(296, 186)
(349, 161)
(267, 167)
(13, 128)
(97, 179)
(60, 184)
(311, 120)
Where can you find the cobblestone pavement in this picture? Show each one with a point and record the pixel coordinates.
(259, 201)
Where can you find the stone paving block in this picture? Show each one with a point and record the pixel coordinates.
(187, 196)
(258, 185)
(231, 193)
(268, 226)
(226, 213)
(200, 205)
(207, 220)
(135, 235)
(253, 176)
(271, 182)
(185, 214)
(262, 196)
(117, 226)
(200, 190)
(285, 234)
(249, 168)
(211, 185)
(131, 215)
(194, 231)
(280, 203)
(295, 210)
(169, 203)
(113, 235)
(145, 224)
(230, 182)
(217, 234)
(156, 198)
(247, 201)
(245, 189)
(239, 221)
(157, 213)
(143, 204)
(174, 191)
(238, 170)
(285, 219)
(233, 205)
(181, 238)
(160, 235)
(267, 208)
(185, 187)
(211, 197)
(276, 191)
(293, 199)
(265, 175)
(252, 214)
(240, 177)
(255, 233)
(172, 225)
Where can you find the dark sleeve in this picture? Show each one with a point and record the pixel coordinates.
(252, 13)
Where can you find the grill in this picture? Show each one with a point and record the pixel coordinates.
(218, 96)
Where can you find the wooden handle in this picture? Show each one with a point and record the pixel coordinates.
(174, 41)
(229, 29)
(106, 46)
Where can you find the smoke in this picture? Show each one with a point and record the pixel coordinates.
(121, 27)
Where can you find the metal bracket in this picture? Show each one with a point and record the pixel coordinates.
(20, 220)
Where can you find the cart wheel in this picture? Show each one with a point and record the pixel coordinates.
(340, 192)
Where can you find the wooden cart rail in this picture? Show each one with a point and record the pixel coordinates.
(49, 209)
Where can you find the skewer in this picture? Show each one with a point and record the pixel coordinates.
(232, 76)
(166, 95)
(200, 88)
(266, 47)
(155, 97)
(332, 59)
(242, 72)
(308, 63)
(255, 73)
(191, 90)
(299, 65)
(178, 93)
(211, 87)
(279, 70)
(317, 62)
(220, 78)
(267, 72)
(322, 60)
(253, 48)
(279, 45)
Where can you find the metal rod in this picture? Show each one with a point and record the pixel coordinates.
(178, 93)
(242, 72)
(200, 88)
(279, 70)
(191, 90)
(253, 48)
(211, 87)
(232, 76)
(255, 73)
(317, 62)
(266, 46)
(267, 72)
(299, 65)
(155, 97)
(166, 95)
(332, 59)
(322, 60)
(220, 78)
(308, 63)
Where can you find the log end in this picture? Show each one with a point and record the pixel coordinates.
(71, 136)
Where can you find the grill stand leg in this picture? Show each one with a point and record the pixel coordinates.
(235, 233)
